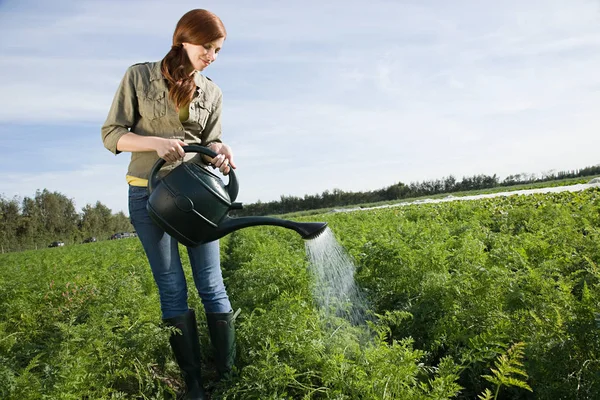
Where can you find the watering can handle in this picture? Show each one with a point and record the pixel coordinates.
(232, 187)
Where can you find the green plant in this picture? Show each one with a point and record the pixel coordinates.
(508, 372)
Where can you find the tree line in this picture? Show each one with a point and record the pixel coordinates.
(32, 223)
(399, 191)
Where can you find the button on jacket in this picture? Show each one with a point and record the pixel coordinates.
(142, 106)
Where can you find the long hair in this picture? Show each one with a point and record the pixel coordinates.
(196, 27)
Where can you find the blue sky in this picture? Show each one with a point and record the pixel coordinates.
(355, 95)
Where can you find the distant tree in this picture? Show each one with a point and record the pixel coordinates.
(121, 223)
(396, 191)
(449, 184)
(96, 221)
(9, 223)
(32, 232)
(57, 214)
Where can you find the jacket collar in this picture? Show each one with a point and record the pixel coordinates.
(197, 79)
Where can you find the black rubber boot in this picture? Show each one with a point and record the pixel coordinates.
(186, 349)
(221, 327)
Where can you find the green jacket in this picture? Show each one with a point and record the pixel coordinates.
(142, 106)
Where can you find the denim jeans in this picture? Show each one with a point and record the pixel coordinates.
(163, 255)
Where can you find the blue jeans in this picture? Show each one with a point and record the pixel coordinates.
(163, 255)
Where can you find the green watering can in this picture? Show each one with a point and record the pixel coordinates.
(192, 204)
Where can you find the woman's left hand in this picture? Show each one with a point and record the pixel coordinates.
(224, 159)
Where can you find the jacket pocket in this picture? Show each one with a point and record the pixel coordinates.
(153, 105)
(199, 113)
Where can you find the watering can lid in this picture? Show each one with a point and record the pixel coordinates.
(211, 181)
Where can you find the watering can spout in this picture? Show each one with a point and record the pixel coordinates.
(308, 230)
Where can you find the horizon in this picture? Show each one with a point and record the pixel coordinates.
(394, 92)
(526, 175)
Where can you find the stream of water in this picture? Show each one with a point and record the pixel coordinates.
(335, 289)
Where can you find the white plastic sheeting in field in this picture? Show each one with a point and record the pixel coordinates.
(572, 188)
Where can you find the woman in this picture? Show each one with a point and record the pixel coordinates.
(159, 108)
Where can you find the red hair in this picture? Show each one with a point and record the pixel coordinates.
(196, 27)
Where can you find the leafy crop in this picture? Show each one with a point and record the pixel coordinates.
(477, 276)
(508, 371)
(494, 298)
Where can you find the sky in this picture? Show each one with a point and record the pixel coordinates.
(318, 95)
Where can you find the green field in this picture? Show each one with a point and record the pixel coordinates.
(493, 298)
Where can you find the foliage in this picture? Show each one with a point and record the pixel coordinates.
(81, 322)
(289, 349)
(478, 275)
(492, 298)
(50, 216)
(508, 372)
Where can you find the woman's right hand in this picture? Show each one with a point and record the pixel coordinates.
(170, 150)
